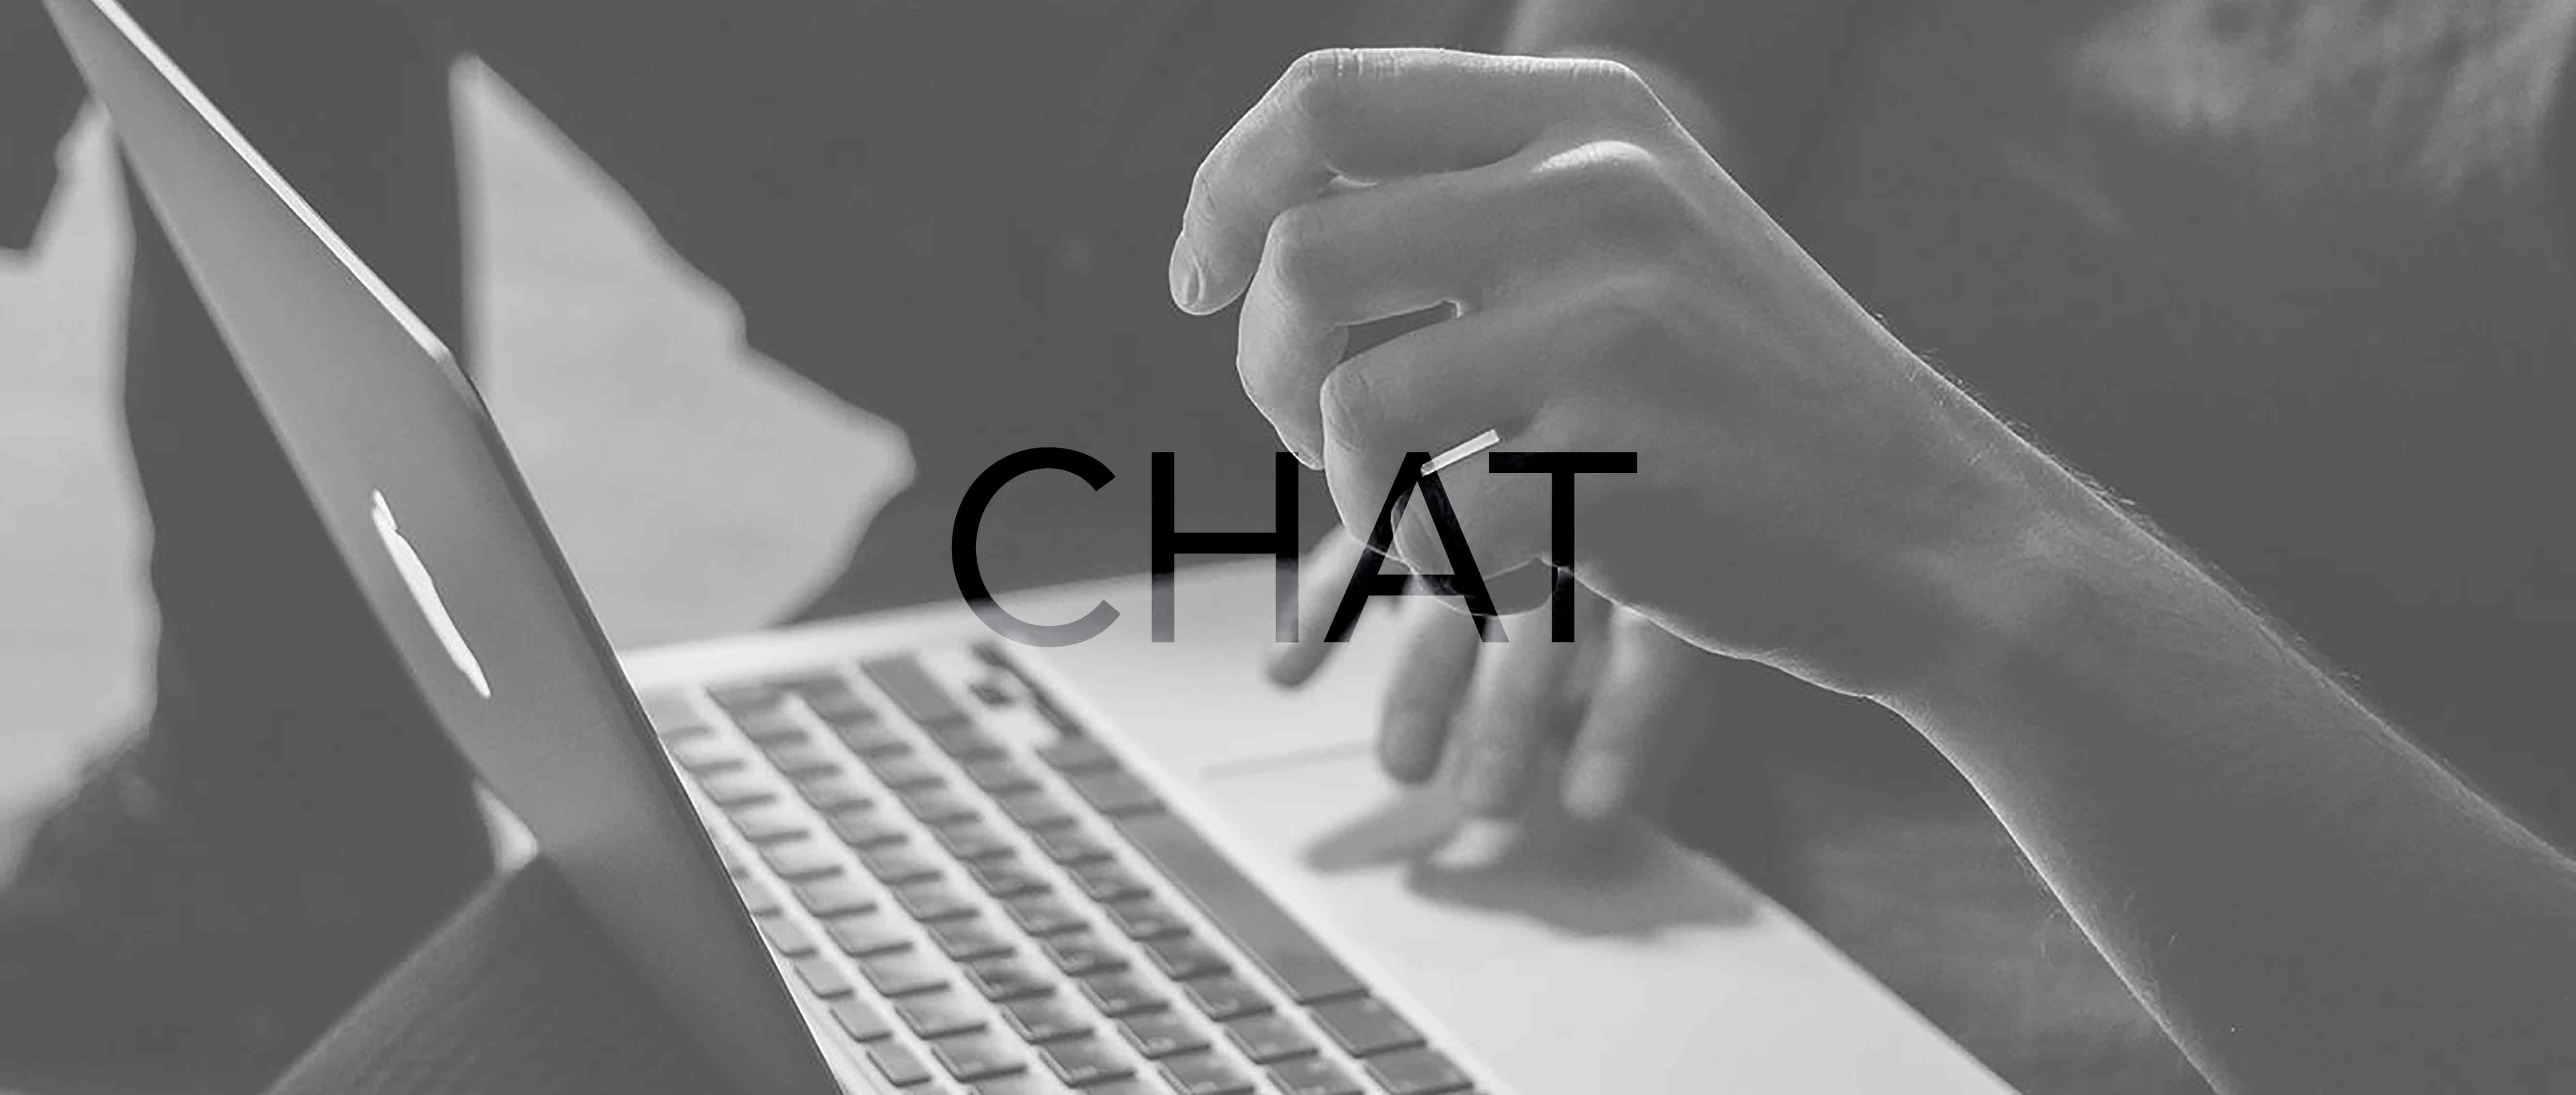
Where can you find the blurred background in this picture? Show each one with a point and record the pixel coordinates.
(698, 488)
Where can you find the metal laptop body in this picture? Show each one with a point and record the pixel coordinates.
(1627, 965)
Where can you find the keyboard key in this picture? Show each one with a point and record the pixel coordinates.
(866, 828)
(773, 727)
(1070, 846)
(972, 841)
(835, 895)
(786, 936)
(1018, 1083)
(999, 775)
(1266, 1039)
(735, 787)
(1223, 998)
(1183, 957)
(1107, 880)
(911, 688)
(1204, 1074)
(831, 792)
(1416, 1072)
(903, 771)
(864, 935)
(860, 1019)
(940, 1014)
(897, 1063)
(1046, 1018)
(933, 900)
(769, 823)
(802, 759)
(839, 704)
(700, 754)
(964, 741)
(896, 864)
(824, 977)
(670, 712)
(801, 858)
(1312, 1076)
(1121, 994)
(738, 697)
(1005, 878)
(1294, 960)
(1008, 978)
(1161, 1034)
(757, 897)
(903, 972)
(935, 805)
(1115, 792)
(1043, 914)
(870, 738)
(972, 1057)
(1145, 918)
(968, 938)
(1036, 810)
(1082, 953)
(1084, 1061)
(1077, 754)
(1366, 1026)
(806, 682)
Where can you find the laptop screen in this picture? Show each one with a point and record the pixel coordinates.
(394, 448)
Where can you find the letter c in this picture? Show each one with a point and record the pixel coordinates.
(970, 518)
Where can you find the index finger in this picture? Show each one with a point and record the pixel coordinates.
(1361, 115)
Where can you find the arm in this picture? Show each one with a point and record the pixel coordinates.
(2306, 902)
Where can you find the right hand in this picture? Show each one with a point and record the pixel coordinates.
(1809, 493)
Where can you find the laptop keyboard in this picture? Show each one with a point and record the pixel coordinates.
(1008, 921)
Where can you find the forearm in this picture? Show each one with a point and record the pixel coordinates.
(2307, 901)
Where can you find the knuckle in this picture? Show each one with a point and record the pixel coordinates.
(1620, 90)
(1355, 412)
(1316, 84)
(1295, 250)
(1619, 187)
(1638, 309)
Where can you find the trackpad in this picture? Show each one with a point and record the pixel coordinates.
(1567, 958)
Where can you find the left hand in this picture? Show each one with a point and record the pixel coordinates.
(1605, 723)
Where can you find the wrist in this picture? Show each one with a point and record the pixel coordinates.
(2028, 558)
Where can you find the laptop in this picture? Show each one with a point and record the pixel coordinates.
(900, 855)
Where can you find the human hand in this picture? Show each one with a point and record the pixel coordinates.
(1808, 492)
(1604, 722)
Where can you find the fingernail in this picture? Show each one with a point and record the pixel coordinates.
(1595, 786)
(1184, 276)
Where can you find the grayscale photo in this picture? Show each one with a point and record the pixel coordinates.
(1157, 547)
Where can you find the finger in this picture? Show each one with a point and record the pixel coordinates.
(1385, 251)
(1517, 702)
(1364, 115)
(1421, 703)
(1652, 705)
(1427, 391)
(1319, 595)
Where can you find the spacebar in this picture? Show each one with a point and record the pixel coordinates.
(1278, 944)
